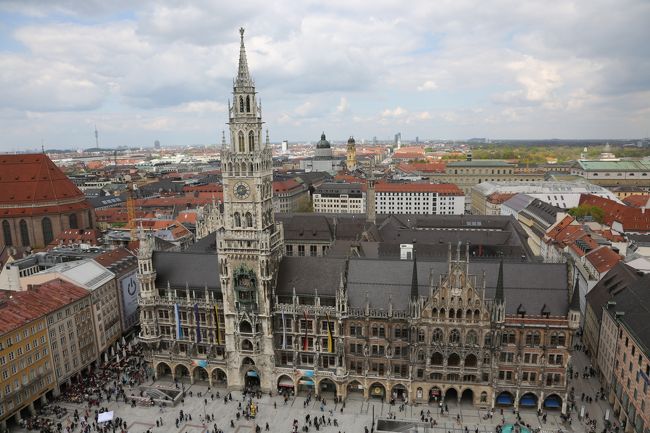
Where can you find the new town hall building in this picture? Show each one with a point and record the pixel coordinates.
(416, 326)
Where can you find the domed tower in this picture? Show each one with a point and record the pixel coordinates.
(249, 242)
(323, 148)
(352, 155)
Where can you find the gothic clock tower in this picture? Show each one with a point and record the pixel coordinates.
(249, 242)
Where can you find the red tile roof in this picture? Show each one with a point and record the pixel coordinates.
(19, 308)
(603, 259)
(631, 218)
(500, 197)
(286, 185)
(109, 258)
(76, 236)
(422, 167)
(440, 188)
(640, 200)
(33, 185)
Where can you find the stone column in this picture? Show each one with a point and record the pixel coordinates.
(32, 409)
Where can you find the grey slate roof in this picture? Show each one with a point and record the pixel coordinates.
(530, 284)
(635, 303)
(308, 274)
(614, 282)
(195, 270)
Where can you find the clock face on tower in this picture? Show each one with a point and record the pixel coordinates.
(242, 190)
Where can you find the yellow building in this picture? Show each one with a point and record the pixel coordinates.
(26, 367)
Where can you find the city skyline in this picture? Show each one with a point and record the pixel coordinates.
(452, 71)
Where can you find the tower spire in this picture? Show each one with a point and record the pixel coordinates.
(243, 77)
(414, 277)
(499, 289)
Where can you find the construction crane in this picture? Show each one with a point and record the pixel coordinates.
(130, 209)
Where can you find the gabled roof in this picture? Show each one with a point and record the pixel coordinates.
(631, 218)
(616, 280)
(603, 259)
(19, 308)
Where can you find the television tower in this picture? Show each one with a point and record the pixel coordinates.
(96, 137)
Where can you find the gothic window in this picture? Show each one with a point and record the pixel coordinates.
(6, 231)
(436, 358)
(536, 338)
(471, 339)
(459, 313)
(248, 104)
(24, 233)
(90, 220)
(73, 221)
(245, 327)
(452, 313)
(420, 336)
(529, 338)
(436, 336)
(470, 360)
(249, 219)
(421, 355)
(250, 169)
(46, 225)
(237, 220)
(477, 315)
(241, 142)
(241, 104)
(454, 336)
(453, 360)
(251, 141)
(488, 339)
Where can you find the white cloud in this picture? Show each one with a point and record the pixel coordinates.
(427, 85)
(523, 64)
(343, 106)
(201, 107)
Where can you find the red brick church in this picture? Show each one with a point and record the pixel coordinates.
(38, 201)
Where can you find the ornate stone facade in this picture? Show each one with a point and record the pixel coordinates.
(392, 329)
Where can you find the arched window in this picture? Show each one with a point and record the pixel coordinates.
(471, 339)
(241, 142)
(248, 104)
(73, 221)
(249, 219)
(452, 313)
(436, 336)
(454, 336)
(453, 360)
(245, 327)
(436, 358)
(46, 225)
(6, 232)
(237, 220)
(251, 141)
(241, 104)
(536, 338)
(24, 233)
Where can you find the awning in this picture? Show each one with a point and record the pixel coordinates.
(528, 401)
(553, 402)
(307, 382)
(104, 417)
(504, 399)
(286, 382)
(252, 373)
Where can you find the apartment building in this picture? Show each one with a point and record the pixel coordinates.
(340, 198)
(419, 199)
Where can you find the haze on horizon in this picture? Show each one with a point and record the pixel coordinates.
(446, 69)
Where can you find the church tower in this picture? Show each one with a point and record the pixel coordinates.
(351, 162)
(249, 242)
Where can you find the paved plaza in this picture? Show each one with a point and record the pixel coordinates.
(355, 416)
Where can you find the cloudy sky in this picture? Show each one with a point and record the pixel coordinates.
(145, 70)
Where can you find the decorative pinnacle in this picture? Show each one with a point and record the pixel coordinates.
(243, 77)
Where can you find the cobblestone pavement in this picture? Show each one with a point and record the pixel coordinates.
(356, 415)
